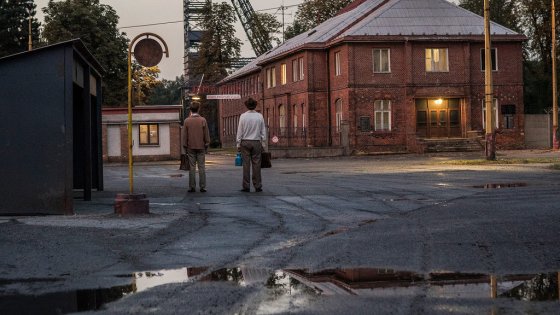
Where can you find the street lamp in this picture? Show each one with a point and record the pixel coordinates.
(148, 53)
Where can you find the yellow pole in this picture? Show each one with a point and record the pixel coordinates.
(488, 100)
(130, 176)
(555, 140)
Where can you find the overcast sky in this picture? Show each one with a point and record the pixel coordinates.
(140, 12)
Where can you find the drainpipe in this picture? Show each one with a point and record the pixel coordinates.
(329, 115)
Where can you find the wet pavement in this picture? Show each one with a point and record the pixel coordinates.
(402, 234)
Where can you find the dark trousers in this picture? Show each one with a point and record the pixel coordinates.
(197, 157)
(251, 153)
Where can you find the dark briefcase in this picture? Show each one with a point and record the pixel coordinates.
(266, 158)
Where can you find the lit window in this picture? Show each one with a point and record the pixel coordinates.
(337, 70)
(494, 108)
(493, 55)
(270, 77)
(283, 74)
(437, 60)
(149, 134)
(381, 60)
(382, 113)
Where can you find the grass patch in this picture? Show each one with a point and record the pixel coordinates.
(556, 161)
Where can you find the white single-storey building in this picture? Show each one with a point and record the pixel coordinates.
(156, 133)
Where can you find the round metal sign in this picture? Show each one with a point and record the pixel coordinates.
(148, 52)
(275, 139)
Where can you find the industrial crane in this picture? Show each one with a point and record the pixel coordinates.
(193, 14)
(253, 28)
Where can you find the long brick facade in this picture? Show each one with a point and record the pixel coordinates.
(328, 83)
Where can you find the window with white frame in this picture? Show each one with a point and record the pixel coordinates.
(295, 71)
(303, 116)
(282, 119)
(382, 113)
(437, 60)
(283, 70)
(493, 56)
(295, 118)
(495, 113)
(270, 77)
(338, 113)
(300, 65)
(381, 60)
(148, 134)
(337, 70)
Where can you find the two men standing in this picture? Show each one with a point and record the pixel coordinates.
(196, 139)
(251, 141)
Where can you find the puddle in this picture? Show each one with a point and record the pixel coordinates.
(503, 185)
(285, 286)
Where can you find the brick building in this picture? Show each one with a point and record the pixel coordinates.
(391, 74)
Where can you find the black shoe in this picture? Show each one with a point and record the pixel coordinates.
(258, 189)
(202, 190)
(245, 190)
(191, 190)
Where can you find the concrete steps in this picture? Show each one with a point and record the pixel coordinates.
(452, 145)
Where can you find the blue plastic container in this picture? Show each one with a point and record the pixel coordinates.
(238, 160)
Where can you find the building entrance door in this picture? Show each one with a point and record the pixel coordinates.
(438, 118)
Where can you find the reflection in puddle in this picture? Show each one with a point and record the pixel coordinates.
(289, 287)
(503, 185)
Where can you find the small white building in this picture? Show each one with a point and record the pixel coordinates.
(156, 133)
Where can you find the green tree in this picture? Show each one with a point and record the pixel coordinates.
(537, 25)
(218, 46)
(312, 13)
(503, 12)
(167, 93)
(271, 26)
(96, 25)
(14, 26)
(144, 80)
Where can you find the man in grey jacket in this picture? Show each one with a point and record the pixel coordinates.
(196, 139)
(251, 136)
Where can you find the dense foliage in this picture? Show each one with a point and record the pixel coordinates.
(219, 46)
(532, 18)
(14, 26)
(96, 25)
(312, 13)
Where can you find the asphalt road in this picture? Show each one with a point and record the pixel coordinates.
(402, 234)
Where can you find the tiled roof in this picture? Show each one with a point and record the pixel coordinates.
(385, 17)
(423, 17)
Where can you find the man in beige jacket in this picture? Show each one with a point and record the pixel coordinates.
(196, 139)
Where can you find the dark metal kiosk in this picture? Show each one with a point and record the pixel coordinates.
(50, 134)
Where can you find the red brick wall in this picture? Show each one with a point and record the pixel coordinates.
(175, 140)
(358, 87)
